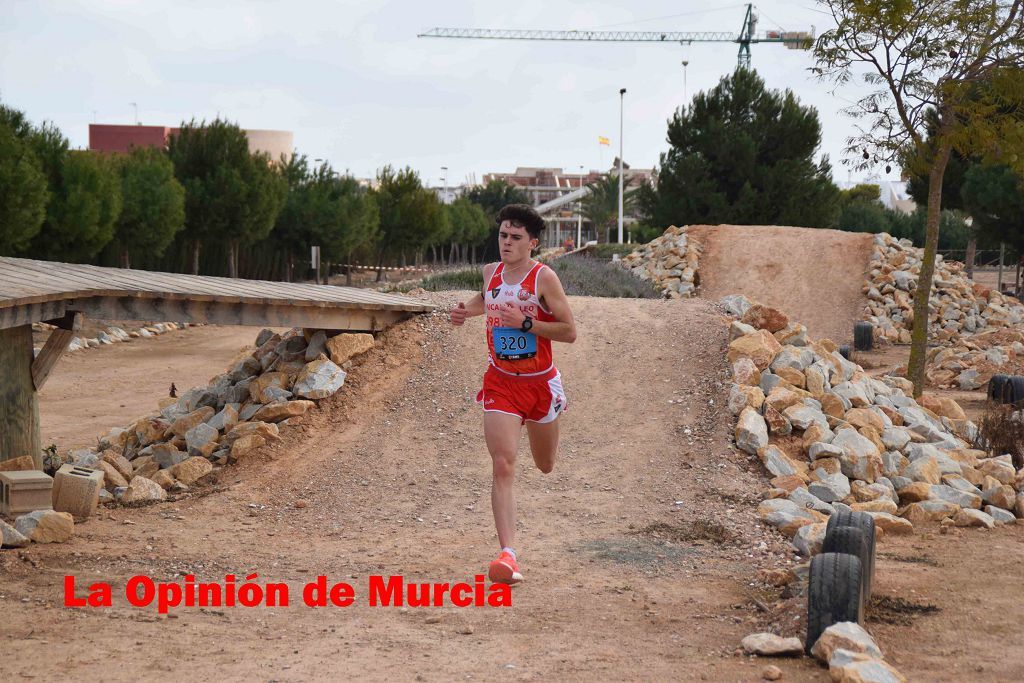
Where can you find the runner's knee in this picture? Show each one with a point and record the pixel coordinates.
(503, 467)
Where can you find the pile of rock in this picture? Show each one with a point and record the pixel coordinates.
(849, 651)
(113, 335)
(237, 413)
(958, 307)
(668, 262)
(970, 362)
(39, 526)
(830, 435)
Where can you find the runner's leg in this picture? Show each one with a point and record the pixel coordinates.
(543, 444)
(501, 431)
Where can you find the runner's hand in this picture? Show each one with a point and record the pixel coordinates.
(458, 314)
(512, 316)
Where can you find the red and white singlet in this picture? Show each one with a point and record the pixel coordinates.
(523, 294)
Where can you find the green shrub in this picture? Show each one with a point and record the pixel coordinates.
(467, 278)
(605, 251)
(583, 276)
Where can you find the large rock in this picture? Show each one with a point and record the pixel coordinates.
(319, 379)
(344, 347)
(245, 445)
(929, 511)
(760, 348)
(149, 430)
(259, 387)
(924, 469)
(861, 458)
(745, 372)
(777, 462)
(845, 635)
(942, 406)
(763, 317)
(751, 431)
(112, 478)
(142, 490)
(771, 645)
(267, 430)
(831, 488)
(187, 422)
(282, 410)
(188, 471)
(119, 463)
(846, 666)
(809, 538)
(201, 440)
(785, 515)
(952, 495)
(46, 526)
(11, 537)
(226, 418)
(166, 455)
(865, 417)
(890, 524)
(742, 396)
(22, 464)
(803, 416)
(969, 517)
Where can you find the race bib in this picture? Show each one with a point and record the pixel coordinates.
(511, 343)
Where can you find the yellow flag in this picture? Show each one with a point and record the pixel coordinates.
(602, 140)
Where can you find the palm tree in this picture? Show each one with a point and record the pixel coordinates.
(601, 206)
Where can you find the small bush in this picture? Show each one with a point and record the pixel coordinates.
(606, 251)
(582, 276)
(1001, 431)
(467, 278)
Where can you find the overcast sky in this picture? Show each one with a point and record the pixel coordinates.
(358, 88)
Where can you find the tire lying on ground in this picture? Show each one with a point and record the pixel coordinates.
(863, 336)
(834, 594)
(866, 524)
(853, 541)
(1013, 391)
(996, 385)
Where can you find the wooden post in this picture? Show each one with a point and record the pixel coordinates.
(55, 345)
(19, 408)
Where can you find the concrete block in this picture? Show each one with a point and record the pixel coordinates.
(76, 490)
(24, 491)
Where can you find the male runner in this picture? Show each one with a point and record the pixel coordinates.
(526, 310)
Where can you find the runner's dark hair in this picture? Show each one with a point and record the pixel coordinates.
(524, 216)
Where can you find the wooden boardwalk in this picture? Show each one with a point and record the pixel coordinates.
(31, 291)
(63, 293)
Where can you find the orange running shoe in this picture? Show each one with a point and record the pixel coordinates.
(504, 569)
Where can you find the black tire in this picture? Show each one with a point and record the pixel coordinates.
(1014, 391)
(858, 520)
(852, 541)
(995, 387)
(834, 594)
(863, 336)
(844, 351)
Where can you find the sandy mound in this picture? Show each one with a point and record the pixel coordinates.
(812, 275)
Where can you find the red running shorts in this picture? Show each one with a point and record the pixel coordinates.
(534, 399)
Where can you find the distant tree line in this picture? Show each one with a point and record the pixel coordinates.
(207, 205)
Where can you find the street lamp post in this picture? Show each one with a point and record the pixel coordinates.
(579, 214)
(685, 64)
(622, 98)
(444, 199)
(136, 106)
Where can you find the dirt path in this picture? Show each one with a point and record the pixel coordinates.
(814, 276)
(92, 390)
(638, 550)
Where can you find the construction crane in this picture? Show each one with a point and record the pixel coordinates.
(794, 40)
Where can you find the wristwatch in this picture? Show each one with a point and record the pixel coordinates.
(527, 324)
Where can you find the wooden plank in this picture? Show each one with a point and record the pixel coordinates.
(30, 282)
(220, 313)
(27, 314)
(56, 344)
(19, 407)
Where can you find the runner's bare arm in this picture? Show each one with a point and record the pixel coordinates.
(550, 291)
(475, 305)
